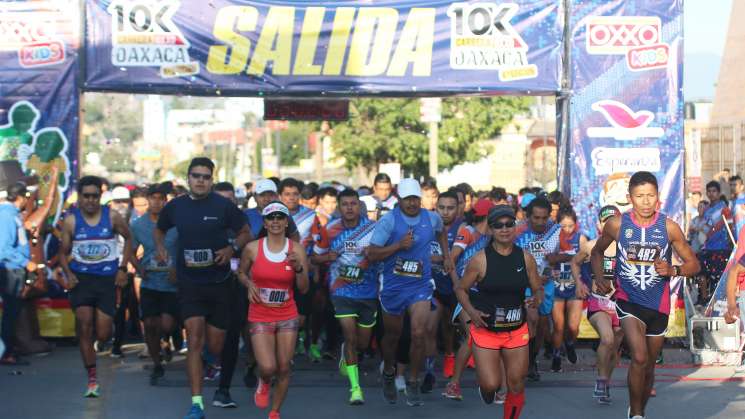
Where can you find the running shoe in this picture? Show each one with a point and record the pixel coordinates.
(599, 390)
(635, 416)
(92, 391)
(355, 397)
(533, 374)
(428, 383)
(486, 398)
(157, 373)
(660, 359)
(413, 397)
(452, 392)
(571, 354)
(99, 347)
(116, 352)
(184, 347)
(196, 412)
(212, 372)
(222, 399)
(605, 398)
(500, 397)
(448, 366)
(342, 363)
(167, 352)
(400, 383)
(740, 368)
(314, 353)
(556, 364)
(261, 396)
(390, 392)
(274, 414)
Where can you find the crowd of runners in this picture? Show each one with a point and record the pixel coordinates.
(430, 281)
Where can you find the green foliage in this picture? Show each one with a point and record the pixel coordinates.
(112, 123)
(389, 130)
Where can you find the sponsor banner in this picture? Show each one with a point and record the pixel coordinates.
(39, 44)
(238, 47)
(627, 107)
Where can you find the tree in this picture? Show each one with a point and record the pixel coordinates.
(387, 130)
(112, 123)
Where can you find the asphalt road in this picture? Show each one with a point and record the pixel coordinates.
(52, 387)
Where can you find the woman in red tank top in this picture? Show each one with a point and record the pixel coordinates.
(270, 268)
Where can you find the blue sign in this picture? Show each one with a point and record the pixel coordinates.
(39, 91)
(627, 103)
(235, 47)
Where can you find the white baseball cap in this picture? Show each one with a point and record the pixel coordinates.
(409, 187)
(275, 207)
(265, 185)
(119, 193)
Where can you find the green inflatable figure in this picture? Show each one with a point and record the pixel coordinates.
(22, 119)
(49, 151)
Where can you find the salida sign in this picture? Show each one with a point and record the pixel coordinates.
(391, 46)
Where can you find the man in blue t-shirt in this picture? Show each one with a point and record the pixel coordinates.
(202, 220)
(158, 298)
(715, 254)
(402, 242)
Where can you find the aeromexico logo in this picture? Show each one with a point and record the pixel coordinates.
(623, 122)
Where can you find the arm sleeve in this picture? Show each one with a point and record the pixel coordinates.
(383, 230)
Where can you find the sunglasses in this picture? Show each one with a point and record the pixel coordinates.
(499, 226)
(91, 195)
(275, 216)
(202, 176)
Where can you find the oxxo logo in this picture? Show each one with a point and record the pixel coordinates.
(34, 37)
(637, 37)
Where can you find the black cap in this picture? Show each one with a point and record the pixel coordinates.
(500, 211)
(607, 212)
(161, 188)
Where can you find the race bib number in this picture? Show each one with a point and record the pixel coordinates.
(508, 317)
(351, 273)
(198, 258)
(640, 254)
(564, 274)
(156, 266)
(95, 251)
(410, 268)
(273, 296)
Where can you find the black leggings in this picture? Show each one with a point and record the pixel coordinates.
(237, 321)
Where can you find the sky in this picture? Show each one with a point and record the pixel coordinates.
(705, 29)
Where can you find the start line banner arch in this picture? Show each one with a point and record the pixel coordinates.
(615, 65)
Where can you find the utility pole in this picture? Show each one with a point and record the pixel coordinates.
(430, 111)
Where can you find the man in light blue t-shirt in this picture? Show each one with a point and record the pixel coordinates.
(158, 298)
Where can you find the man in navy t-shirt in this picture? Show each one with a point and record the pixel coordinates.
(203, 220)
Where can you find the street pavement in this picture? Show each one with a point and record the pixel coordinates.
(52, 387)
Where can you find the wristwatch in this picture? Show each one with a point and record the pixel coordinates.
(299, 271)
(236, 249)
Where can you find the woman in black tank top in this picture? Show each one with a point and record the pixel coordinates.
(492, 292)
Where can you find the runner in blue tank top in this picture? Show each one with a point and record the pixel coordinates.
(540, 236)
(446, 206)
(645, 239)
(89, 237)
(402, 242)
